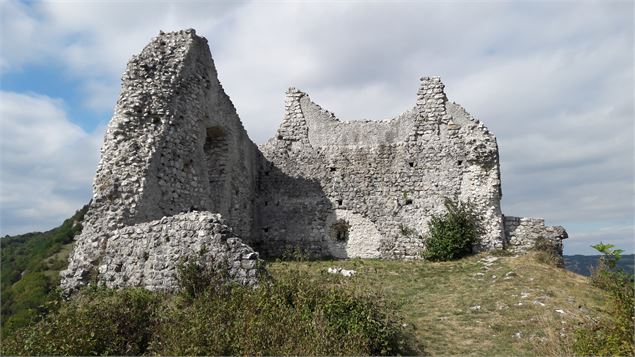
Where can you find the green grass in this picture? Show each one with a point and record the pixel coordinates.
(463, 307)
(292, 314)
(466, 307)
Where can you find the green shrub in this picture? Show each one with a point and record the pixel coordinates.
(196, 278)
(295, 314)
(612, 336)
(98, 321)
(547, 252)
(452, 234)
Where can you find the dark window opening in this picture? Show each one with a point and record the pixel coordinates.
(187, 166)
(408, 201)
(266, 229)
(411, 164)
(216, 153)
(460, 162)
(279, 137)
(266, 173)
(332, 169)
(266, 203)
(215, 132)
(278, 203)
(339, 202)
(340, 230)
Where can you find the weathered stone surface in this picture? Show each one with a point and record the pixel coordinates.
(521, 233)
(175, 155)
(394, 174)
(148, 254)
(175, 144)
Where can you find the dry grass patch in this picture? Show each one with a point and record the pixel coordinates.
(480, 305)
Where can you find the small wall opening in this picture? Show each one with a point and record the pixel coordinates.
(460, 162)
(333, 169)
(216, 150)
(340, 229)
(411, 164)
(187, 166)
(339, 202)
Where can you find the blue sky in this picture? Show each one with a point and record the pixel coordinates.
(553, 81)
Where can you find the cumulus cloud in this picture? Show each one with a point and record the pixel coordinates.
(47, 163)
(553, 80)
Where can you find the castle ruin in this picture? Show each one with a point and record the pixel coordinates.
(180, 179)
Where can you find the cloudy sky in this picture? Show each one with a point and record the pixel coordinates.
(553, 81)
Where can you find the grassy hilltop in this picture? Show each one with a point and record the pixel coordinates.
(480, 305)
(485, 304)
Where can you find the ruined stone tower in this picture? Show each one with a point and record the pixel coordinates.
(176, 159)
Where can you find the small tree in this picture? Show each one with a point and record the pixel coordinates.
(612, 336)
(610, 256)
(452, 234)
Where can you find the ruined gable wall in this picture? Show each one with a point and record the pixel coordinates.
(174, 144)
(385, 178)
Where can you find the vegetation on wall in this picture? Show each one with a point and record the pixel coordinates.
(452, 234)
(547, 252)
(340, 230)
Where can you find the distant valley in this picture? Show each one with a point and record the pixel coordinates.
(582, 264)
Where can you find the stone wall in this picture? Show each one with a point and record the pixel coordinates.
(521, 233)
(148, 254)
(175, 155)
(175, 144)
(385, 179)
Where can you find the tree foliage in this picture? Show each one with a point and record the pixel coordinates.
(452, 234)
(612, 336)
(30, 270)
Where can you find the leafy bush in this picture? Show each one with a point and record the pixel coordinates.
(295, 314)
(292, 315)
(613, 336)
(452, 235)
(98, 321)
(197, 278)
(547, 252)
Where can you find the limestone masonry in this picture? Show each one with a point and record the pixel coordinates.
(176, 159)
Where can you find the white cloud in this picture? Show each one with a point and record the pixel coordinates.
(553, 80)
(47, 163)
